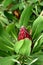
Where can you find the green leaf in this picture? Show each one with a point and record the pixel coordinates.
(34, 1)
(41, 3)
(1, 29)
(18, 45)
(8, 60)
(6, 44)
(23, 47)
(1, 1)
(22, 5)
(38, 44)
(10, 27)
(3, 19)
(38, 55)
(7, 2)
(5, 40)
(12, 30)
(33, 61)
(37, 27)
(8, 15)
(16, 6)
(3, 53)
(25, 15)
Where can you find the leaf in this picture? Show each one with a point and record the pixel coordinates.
(38, 44)
(41, 3)
(5, 45)
(8, 60)
(33, 61)
(3, 19)
(12, 30)
(32, 1)
(26, 48)
(7, 2)
(25, 15)
(18, 45)
(1, 29)
(37, 27)
(16, 6)
(3, 53)
(23, 47)
(38, 55)
(5, 40)
(22, 5)
(1, 1)
(10, 27)
(8, 15)
(18, 63)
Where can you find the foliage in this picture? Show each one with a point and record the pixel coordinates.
(13, 15)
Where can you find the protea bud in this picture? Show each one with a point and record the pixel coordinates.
(23, 34)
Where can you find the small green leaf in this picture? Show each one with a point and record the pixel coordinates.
(18, 45)
(10, 27)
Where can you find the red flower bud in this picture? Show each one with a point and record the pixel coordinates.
(24, 34)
